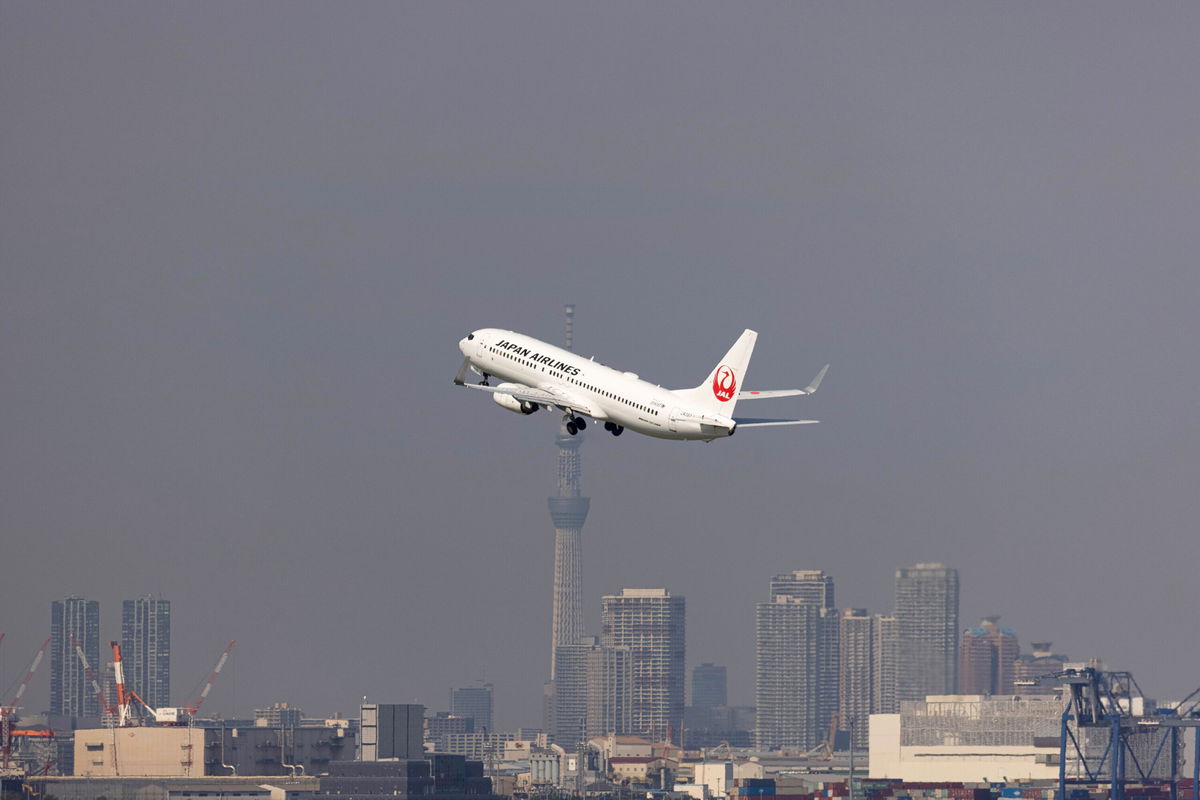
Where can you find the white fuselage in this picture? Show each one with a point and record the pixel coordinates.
(591, 388)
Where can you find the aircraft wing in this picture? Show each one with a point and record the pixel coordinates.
(763, 394)
(754, 422)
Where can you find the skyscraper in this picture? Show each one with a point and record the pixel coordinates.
(856, 686)
(1032, 667)
(609, 689)
(927, 618)
(73, 620)
(571, 692)
(650, 624)
(817, 588)
(568, 511)
(788, 678)
(987, 658)
(474, 702)
(709, 686)
(887, 664)
(146, 648)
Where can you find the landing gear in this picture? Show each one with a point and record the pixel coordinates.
(580, 423)
(613, 428)
(572, 428)
(484, 382)
(573, 424)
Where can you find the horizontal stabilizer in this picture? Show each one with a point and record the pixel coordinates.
(752, 422)
(763, 394)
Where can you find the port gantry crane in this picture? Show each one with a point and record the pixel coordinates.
(1102, 700)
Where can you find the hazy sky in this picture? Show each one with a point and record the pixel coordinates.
(240, 242)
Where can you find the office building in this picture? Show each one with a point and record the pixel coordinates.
(73, 621)
(474, 702)
(987, 659)
(146, 648)
(927, 616)
(391, 730)
(650, 624)
(709, 686)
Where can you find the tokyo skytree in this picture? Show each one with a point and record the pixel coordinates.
(568, 511)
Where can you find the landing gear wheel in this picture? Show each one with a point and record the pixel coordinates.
(608, 426)
(484, 382)
(572, 429)
(580, 423)
(617, 430)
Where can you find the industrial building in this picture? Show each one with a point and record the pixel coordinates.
(968, 738)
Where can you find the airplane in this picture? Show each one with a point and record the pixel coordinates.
(535, 375)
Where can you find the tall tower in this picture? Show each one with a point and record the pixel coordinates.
(568, 511)
(650, 624)
(73, 621)
(927, 624)
(146, 648)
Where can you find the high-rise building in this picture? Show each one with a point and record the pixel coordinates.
(650, 624)
(887, 663)
(856, 686)
(568, 511)
(987, 657)
(927, 616)
(609, 688)
(709, 686)
(792, 685)
(474, 702)
(808, 585)
(1029, 670)
(570, 692)
(73, 621)
(146, 649)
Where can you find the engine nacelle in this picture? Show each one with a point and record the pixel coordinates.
(512, 403)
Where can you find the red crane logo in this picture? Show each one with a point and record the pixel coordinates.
(724, 384)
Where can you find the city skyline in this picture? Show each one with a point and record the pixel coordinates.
(238, 256)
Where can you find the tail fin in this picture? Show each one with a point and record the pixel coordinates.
(719, 392)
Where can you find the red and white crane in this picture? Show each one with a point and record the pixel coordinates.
(9, 710)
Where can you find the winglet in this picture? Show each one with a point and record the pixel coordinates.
(812, 387)
(461, 377)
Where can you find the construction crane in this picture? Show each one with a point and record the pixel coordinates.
(9, 710)
(91, 676)
(126, 715)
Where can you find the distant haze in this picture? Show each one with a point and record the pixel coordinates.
(239, 243)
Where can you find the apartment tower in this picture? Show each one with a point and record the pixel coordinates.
(146, 648)
(649, 623)
(927, 621)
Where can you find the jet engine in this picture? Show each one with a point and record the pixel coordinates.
(512, 403)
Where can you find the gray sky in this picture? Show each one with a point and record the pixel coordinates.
(239, 243)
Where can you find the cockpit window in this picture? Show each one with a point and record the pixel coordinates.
(470, 336)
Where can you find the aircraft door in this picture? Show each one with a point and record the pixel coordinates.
(673, 420)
